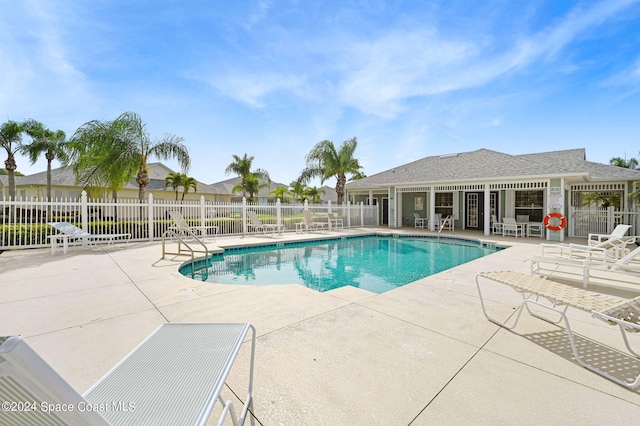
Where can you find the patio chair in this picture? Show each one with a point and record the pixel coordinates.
(603, 271)
(446, 223)
(419, 222)
(511, 227)
(70, 232)
(619, 232)
(335, 222)
(624, 313)
(437, 218)
(266, 228)
(175, 376)
(182, 227)
(496, 227)
(614, 248)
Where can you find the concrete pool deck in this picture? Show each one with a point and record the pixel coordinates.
(420, 354)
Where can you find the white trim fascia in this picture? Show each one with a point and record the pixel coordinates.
(585, 176)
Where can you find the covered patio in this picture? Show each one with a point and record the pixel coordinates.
(479, 188)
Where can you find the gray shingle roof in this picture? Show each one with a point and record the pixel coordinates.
(485, 164)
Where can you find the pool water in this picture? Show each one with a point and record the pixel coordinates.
(374, 263)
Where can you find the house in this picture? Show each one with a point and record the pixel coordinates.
(64, 186)
(471, 187)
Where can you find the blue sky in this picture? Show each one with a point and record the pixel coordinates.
(409, 79)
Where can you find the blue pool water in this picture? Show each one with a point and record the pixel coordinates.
(373, 263)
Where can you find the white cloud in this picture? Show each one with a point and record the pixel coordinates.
(252, 88)
(36, 68)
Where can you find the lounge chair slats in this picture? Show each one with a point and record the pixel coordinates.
(71, 232)
(174, 377)
(613, 310)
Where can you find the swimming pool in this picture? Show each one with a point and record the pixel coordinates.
(373, 263)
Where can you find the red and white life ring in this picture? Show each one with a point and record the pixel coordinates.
(561, 226)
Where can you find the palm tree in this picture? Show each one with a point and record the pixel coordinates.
(174, 180)
(313, 194)
(11, 141)
(632, 163)
(116, 151)
(52, 144)
(325, 162)
(242, 168)
(188, 183)
(297, 189)
(281, 193)
(603, 199)
(252, 186)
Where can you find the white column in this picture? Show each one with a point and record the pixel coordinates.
(487, 209)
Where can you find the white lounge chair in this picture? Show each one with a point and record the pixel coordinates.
(309, 224)
(182, 227)
(614, 248)
(622, 273)
(619, 232)
(173, 377)
(266, 228)
(70, 233)
(419, 222)
(624, 313)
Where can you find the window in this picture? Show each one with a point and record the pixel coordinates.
(444, 203)
(530, 203)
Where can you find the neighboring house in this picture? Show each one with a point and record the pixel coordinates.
(64, 187)
(262, 197)
(471, 187)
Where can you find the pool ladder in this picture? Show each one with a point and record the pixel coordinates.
(179, 234)
(444, 222)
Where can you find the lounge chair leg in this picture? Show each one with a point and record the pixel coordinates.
(493, 320)
(555, 309)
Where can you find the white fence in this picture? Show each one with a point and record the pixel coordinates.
(23, 223)
(582, 222)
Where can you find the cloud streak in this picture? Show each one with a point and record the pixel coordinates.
(378, 75)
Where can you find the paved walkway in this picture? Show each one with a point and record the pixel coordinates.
(421, 354)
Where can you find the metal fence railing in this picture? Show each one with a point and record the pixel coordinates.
(23, 223)
(583, 222)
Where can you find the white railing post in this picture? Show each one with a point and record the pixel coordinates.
(244, 216)
(84, 211)
(150, 217)
(329, 206)
(361, 213)
(278, 213)
(203, 216)
(348, 214)
(610, 219)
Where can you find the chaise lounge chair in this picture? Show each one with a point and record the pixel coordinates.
(71, 232)
(266, 228)
(619, 232)
(183, 228)
(335, 222)
(310, 224)
(621, 273)
(174, 377)
(614, 248)
(624, 313)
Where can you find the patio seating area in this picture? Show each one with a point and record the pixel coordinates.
(421, 354)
